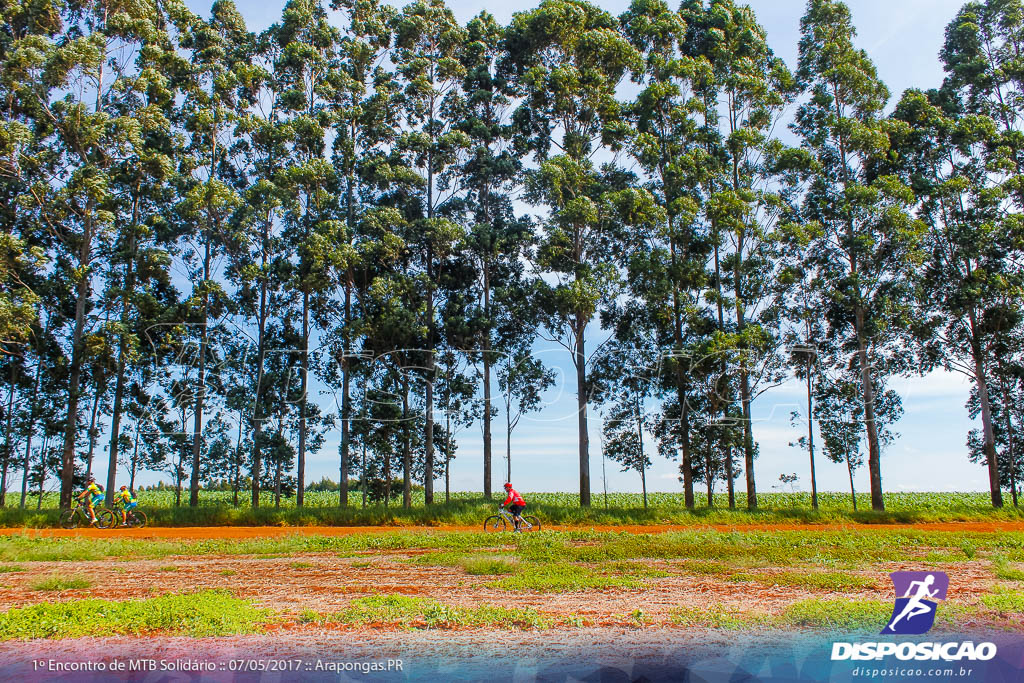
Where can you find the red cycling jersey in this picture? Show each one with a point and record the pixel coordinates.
(514, 498)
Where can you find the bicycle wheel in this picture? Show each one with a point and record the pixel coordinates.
(531, 523)
(105, 519)
(137, 518)
(494, 523)
(69, 519)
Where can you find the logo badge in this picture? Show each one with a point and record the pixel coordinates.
(916, 596)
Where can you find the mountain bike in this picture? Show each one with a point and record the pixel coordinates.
(78, 516)
(504, 520)
(134, 518)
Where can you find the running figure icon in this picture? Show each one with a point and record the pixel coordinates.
(914, 612)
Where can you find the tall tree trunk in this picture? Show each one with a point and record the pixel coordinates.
(8, 433)
(643, 461)
(42, 473)
(486, 353)
(428, 430)
(406, 448)
(1009, 442)
(30, 430)
(122, 348)
(874, 450)
(508, 442)
(77, 354)
(236, 475)
(709, 474)
(580, 360)
(849, 470)
(989, 447)
(810, 434)
(346, 398)
(197, 431)
(363, 474)
(261, 353)
(448, 456)
(681, 388)
(301, 484)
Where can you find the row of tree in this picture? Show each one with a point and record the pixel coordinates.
(205, 228)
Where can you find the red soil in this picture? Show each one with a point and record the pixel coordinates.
(277, 531)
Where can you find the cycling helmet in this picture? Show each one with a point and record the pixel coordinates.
(507, 485)
(124, 488)
(91, 478)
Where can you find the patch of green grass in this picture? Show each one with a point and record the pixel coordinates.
(838, 615)
(488, 566)
(633, 568)
(1004, 600)
(208, 613)
(362, 564)
(942, 557)
(412, 612)
(717, 616)
(300, 565)
(227, 572)
(56, 582)
(848, 548)
(9, 568)
(705, 568)
(1006, 571)
(167, 568)
(563, 578)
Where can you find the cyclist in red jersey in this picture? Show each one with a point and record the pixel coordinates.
(517, 504)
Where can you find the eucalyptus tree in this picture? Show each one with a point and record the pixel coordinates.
(306, 68)
(971, 278)
(365, 119)
(209, 112)
(568, 58)
(428, 43)
(983, 94)
(495, 239)
(137, 268)
(666, 268)
(259, 267)
(78, 77)
(866, 247)
(745, 98)
(23, 160)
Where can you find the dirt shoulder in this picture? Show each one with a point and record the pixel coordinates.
(279, 531)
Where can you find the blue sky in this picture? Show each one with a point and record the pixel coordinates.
(903, 38)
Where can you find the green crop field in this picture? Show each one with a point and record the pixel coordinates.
(470, 508)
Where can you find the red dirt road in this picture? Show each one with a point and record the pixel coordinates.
(198, 533)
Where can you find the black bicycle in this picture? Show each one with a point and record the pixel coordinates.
(503, 520)
(78, 516)
(134, 518)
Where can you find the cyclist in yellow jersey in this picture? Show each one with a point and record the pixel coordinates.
(125, 500)
(91, 496)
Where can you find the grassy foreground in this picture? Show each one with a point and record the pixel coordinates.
(470, 509)
(832, 580)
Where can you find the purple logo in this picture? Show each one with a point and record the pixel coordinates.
(916, 595)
